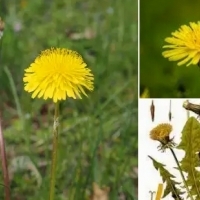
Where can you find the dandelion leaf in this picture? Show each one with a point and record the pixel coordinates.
(175, 191)
(190, 144)
(168, 179)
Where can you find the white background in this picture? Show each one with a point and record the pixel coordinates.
(149, 177)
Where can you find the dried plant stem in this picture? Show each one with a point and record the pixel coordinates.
(4, 165)
(182, 175)
(54, 152)
(188, 114)
(152, 193)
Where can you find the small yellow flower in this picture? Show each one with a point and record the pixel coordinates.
(145, 94)
(161, 132)
(58, 73)
(184, 45)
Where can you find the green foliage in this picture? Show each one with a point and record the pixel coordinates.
(98, 135)
(168, 179)
(190, 144)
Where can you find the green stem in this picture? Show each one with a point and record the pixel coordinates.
(181, 172)
(54, 152)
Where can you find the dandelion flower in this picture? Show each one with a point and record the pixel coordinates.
(161, 131)
(184, 45)
(58, 73)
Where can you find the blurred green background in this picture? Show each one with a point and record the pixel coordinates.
(98, 136)
(163, 78)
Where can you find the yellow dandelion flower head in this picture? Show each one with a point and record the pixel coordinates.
(184, 45)
(58, 73)
(145, 94)
(161, 132)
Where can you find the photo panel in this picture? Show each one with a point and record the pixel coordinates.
(169, 149)
(169, 49)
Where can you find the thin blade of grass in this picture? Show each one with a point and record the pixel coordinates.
(14, 91)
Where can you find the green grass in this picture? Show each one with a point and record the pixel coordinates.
(98, 135)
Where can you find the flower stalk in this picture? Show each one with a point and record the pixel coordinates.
(57, 74)
(54, 152)
(181, 172)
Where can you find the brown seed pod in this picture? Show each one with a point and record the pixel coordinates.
(152, 110)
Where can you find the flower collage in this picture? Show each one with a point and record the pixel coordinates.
(169, 103)
(99, 100)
